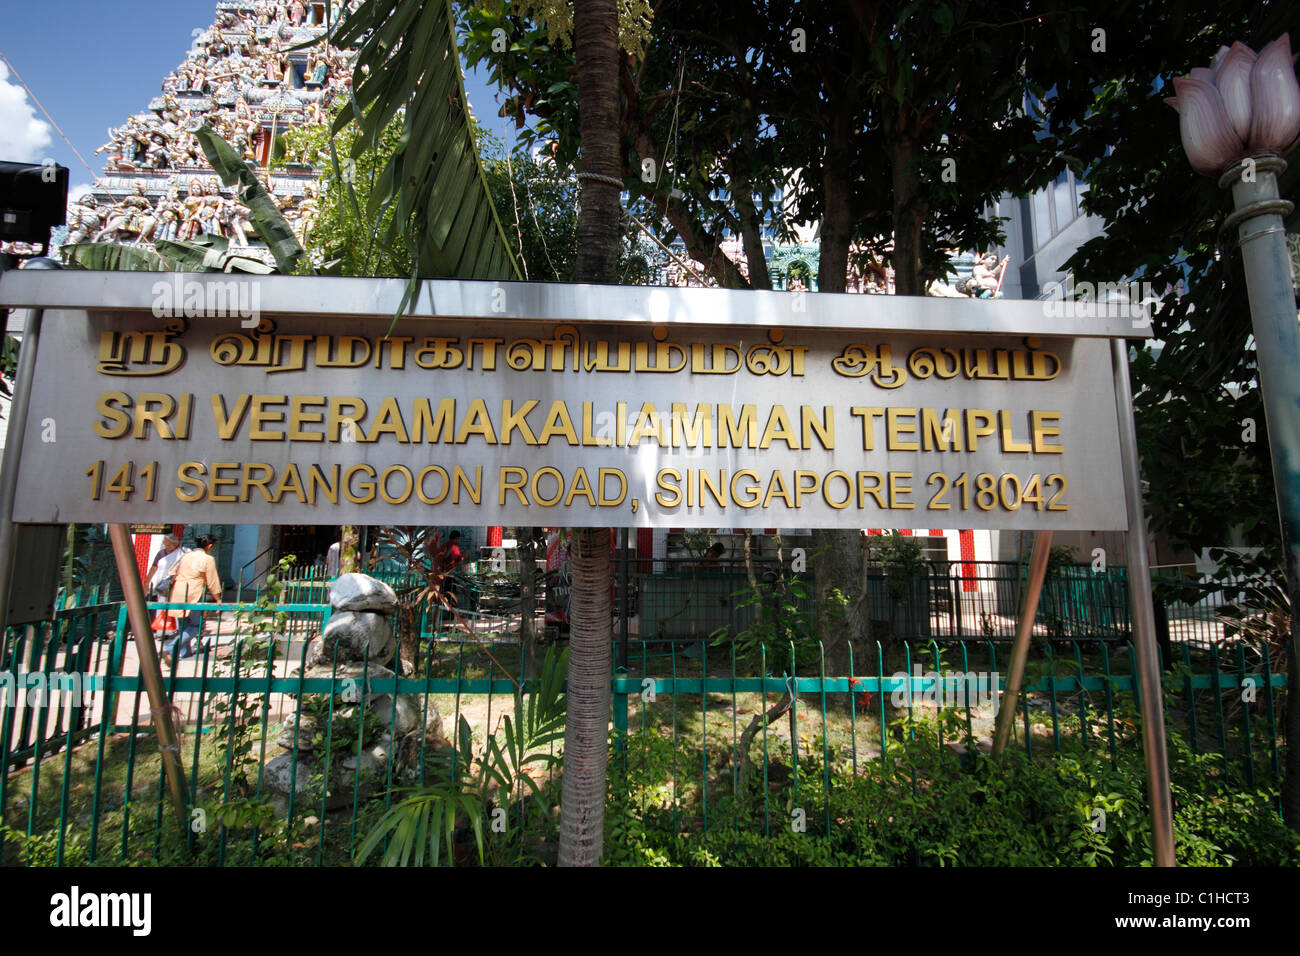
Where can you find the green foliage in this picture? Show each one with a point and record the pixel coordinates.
(424, 820)
(922, 806)
(206, 253)
(42, 849)
(726, 105)
(1196, 384)
(903, 559)
(634, 18)
(407, 69)
(788, 621)
(532, 741)
(346, 236)
(430, 815)
(239, 717)
(1060, 556)
(260, 623)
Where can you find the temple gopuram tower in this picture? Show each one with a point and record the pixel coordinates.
(243, 78)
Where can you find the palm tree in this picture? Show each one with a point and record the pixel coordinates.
(586, 730)
(442, 201)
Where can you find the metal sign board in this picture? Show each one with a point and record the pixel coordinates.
(36, 575)
(145, 415)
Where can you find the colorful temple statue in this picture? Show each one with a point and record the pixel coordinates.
(237, 78)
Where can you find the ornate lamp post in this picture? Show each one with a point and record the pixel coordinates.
(1237, 120)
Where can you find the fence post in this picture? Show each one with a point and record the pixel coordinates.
(620, 722)
(1024, 630)
(159, 705)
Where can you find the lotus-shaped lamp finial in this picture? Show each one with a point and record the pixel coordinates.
(1242, 105)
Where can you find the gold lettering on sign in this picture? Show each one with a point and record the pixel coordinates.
(718, 356)
(859, 360)
(537, 355)
(140, 353)
(667, 356)
(941, 363)
(595, 357)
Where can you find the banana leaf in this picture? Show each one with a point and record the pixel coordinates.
(407, 61)
(263, 211)
(209, 253)
(111, 257)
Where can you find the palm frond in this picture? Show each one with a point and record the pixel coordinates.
(407, 61)
(263, 211)
(112, 257)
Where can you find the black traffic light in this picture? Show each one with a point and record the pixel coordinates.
(33, 200)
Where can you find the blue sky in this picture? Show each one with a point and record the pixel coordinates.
(92, 63)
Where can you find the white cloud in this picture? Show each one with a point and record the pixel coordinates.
(23, 137)
(77, 191)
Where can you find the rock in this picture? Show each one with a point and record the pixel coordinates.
(361, 592)
(276, 774)
(306, 725)
(372, 760)
(353, 632)
(347, 670)
(403, 718)
(399, 729)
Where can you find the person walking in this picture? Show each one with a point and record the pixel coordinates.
(196, 573)
(162, 573)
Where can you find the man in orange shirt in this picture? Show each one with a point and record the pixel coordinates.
(195, 574)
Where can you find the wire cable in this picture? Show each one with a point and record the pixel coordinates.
(35, 100)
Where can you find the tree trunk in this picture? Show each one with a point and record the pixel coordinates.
(909, 213)
(349, 545)
(586, 725)
(528, 598)
(751, 229)
(69, 561)
(841, 562)
(595, 41)
(837, 220)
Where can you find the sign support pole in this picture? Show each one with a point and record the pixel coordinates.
(14, 451)
(159, 706)
(1142, 612)
(1024, 630)
(624, 601)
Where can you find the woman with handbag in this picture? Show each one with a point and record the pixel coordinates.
(195, 574)
(162, 573)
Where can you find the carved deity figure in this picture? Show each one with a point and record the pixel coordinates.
(212, 219)
(308, 212)
(192, 204)
(985, 276)
(143, 220)
(167, 213)
(83, 220)
(237, 218)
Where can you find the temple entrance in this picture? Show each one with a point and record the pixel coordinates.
(307, 542)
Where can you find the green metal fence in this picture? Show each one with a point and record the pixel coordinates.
(50, 665)
(310, 585)
(97, 792)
